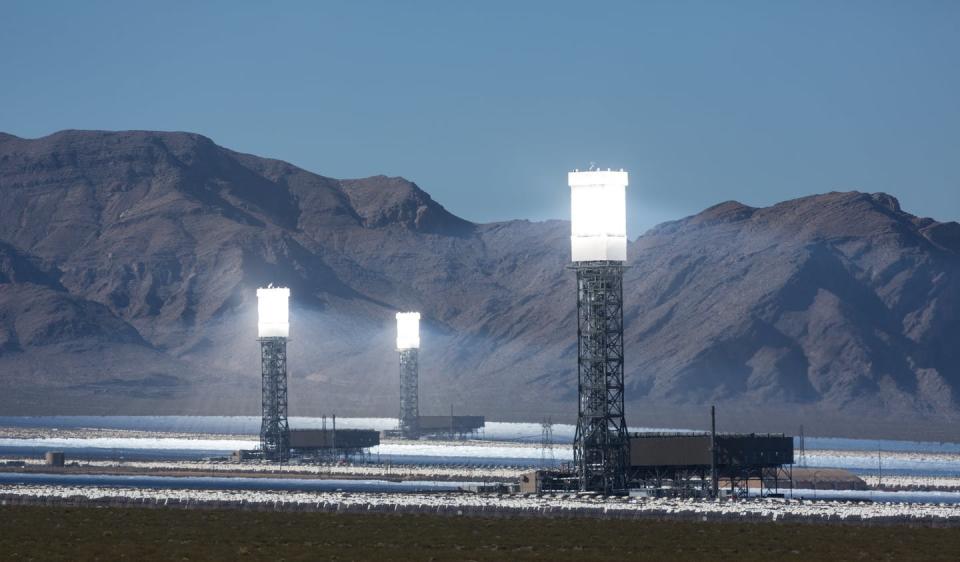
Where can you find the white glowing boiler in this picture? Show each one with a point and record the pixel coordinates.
(598, 215)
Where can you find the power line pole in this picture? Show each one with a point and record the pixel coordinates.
(714, 480)
(879, 467)
(803, 449)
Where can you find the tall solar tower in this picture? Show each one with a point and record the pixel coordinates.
(599, 250)
(408, 344)
(273, 328)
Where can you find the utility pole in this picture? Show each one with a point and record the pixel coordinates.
(879, 467)
(714, 480)
(803, 449)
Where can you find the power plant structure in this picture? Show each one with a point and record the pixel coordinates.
(598, 244)
(411, 424)
(408, 345)
(693, 465)
(273, 329)
(326, 444)
(452, 427)
(698, 464)
(321, 445)
(278, 443)
(606, 458)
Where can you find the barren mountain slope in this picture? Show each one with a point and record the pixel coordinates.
(128, 263)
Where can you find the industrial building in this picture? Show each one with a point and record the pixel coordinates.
(54, 458)
(452, 426)
(702, 464)
(324, 444)
(411, 424)
(692, 465)
(319, 445)
(442, 427)
(342, 439)
(277, 441)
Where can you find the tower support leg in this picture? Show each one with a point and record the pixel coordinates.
(274, 429)
(601, 446)
(409, 394)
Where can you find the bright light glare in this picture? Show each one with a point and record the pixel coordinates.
(598, 216)
(274, 314)
(408, 330)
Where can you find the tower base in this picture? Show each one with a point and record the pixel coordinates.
(274, 429)
(601, 445)
(409, 394)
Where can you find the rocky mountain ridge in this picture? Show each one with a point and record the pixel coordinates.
(129, 260)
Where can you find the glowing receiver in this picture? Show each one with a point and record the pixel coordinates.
(274, 313)
(598, 215)
(408, 330)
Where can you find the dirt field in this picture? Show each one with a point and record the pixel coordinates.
(56, 533)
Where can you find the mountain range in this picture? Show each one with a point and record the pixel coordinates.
(129, 263)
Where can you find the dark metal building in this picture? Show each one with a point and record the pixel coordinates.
(688, 464)
(323, 443)
(454, 426)
(683, 462)
(54, 458)
(303, 439)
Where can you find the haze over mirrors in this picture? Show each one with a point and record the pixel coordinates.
(700, 297)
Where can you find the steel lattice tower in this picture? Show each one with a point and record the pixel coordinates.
(274, 429)
(600, 453)
(598, 249)
(408, 344)
(547, 459)
(409, 394)
(273, 329)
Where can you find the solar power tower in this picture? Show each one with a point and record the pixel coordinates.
(273, 329)
(598, 251)
(408, 344)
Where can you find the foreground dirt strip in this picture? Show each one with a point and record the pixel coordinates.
(489, 505)
(59, 533)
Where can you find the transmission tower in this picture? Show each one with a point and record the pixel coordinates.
(547, 459)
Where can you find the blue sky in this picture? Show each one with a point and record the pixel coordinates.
(487, 105)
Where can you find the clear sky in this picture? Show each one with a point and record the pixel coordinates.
(486, 105)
